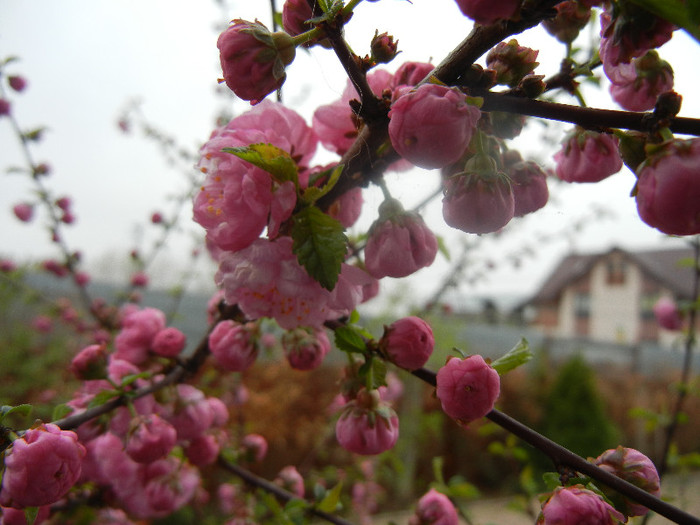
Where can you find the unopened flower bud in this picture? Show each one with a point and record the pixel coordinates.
(291, 481)
(23, 211)
(588, 156)
(169, 342)
(434, 508)
(635, 468)
(4, 107)
(253, 59)
(384, 49)
(668, 188)
(511, 62)
(398, 232)
(576, 505)
(90, 363)
(479, 200)
(17, 82)
(571, 17)
(432, 126)
(467, 388)
(367, 425)
(667, 314)
(305, 348)
(408, 342)
(487, 12)
(233, 345)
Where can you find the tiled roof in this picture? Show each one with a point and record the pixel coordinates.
(661, 265)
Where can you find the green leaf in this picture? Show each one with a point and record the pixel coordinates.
(442, 247)
(551, 480)
(518, 355)
(272, 159)
(348, 339)
(331, 501)
(60, 411)
(319, 244)
(684, 15)
(311, 194)
(30, 514)
(102, 397)
(23, 410)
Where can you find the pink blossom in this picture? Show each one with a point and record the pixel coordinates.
(237, 199)
(41, 467)
(487, 12)
(576, 506)
(42, 324)
(203, 450)
(476, 203)
(253, 59)
(467, 388)
(17, 82)
(667, 314)
(434, 508)
(266, 280)
(139, 328)
(668, 188)
(367, 425)
(529, 184)
(150, 438)
(634, 467)
(90, 362)
(393, 390)
(139, 280)
(432, 125)
(410, 73)
(572, 16)
(254, 447)
(291, 481)
(7, 266)
(82, 278)
(192, 414)
(118, 369)
(169, 485)
(55, 267)
(23, 211)
(233, 345)
(588, 156)
(336, 124)
(219, 410)
(347, 208)
(305, 348)
(637, 85)
(168, 342)
(157, 218)
(4, 107)
(408, 342)
(398, 232)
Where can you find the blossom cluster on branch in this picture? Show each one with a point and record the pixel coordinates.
(275, 223)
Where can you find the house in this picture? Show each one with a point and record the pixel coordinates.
(609, 296)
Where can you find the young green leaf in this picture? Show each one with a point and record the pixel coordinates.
(331, 500)
(319, 244)
(23, 410)
(313, 193)
(272, 159)
(518, 355)
(348, 339)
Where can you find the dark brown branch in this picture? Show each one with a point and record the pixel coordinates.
(561, 456)
(279, 493)
(589, 118)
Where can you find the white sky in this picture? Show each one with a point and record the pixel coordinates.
(85, 59)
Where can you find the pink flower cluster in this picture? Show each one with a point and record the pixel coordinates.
(238, 202)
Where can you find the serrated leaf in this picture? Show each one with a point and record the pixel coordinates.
(319, 244)
(23, 410)
(331, 500)
(348, 339)
(517, 356)
(272, 159)
(60, 411)
(311, 194)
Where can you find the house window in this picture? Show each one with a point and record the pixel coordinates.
(616, 269)
(582, 304)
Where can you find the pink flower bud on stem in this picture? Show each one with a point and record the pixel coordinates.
(408, 342)
(467, 388)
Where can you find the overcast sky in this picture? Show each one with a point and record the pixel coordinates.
(85, 60)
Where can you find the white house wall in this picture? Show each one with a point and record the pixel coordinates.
(566, 324)
(614, 313)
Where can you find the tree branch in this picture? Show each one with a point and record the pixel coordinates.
(561, 456)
